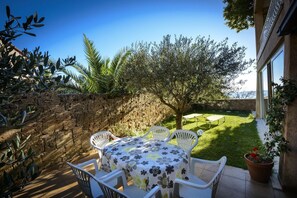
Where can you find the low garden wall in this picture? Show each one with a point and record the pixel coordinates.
(229, 104)
(63, 124)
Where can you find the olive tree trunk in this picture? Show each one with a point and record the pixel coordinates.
(178, 120)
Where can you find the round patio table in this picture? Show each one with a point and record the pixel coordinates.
(148, 162)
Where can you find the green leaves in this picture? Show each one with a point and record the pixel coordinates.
(30, 34)
(15, 156)
(101, 75)
(40, 67)
(182, 70)
(283, 95)
(20, 73)
(239, 14)
(7, 11)
(58, 64)
(14, 28)
(41, 20)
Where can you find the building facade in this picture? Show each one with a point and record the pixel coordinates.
(276, 43)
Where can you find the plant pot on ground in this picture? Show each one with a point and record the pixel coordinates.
(259, 171)
(260, 162)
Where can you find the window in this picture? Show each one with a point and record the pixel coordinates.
(277, 64)
(273, 71)
(264, 91)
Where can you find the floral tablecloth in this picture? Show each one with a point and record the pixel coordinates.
(148, 162)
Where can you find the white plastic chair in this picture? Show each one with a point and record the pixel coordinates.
(100, 139)
(196, 187)
(159, 133)
(187, 140)
(87, 181)
(200, 132)
(128, 191)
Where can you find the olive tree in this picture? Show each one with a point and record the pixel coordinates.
(184, 71)
(21, 72)
(24, 71)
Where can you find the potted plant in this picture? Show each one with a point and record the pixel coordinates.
(259, 165)
(260, 162)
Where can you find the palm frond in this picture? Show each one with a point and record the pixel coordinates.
(85, 71)
(92, 55)
(118, 65)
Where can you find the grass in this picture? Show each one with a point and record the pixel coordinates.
(234, 138)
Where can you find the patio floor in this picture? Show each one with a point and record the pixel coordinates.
(235, 182)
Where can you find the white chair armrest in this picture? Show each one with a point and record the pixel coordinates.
(169, 138)
(146, 134)
(110, 174)
(155, 191)
(190, 184)
(116, 174)
(114, 137)
(204, 161)
(97, 147)
(88, 163)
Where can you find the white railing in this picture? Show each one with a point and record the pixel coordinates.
(273, 12)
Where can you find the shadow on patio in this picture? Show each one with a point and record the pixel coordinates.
(56, 182)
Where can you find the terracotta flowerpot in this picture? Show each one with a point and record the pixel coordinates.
(259, 172)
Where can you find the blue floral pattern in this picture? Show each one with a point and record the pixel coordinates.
(148, 162)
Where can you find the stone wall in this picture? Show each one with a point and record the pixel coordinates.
(63, 124)
(229, 104)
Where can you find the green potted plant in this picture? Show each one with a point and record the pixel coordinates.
(260, 161)
(259, 164)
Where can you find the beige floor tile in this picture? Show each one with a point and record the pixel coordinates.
(234, 172)
(258, 190)
(248, 177)
(224, 192)
(232, 183)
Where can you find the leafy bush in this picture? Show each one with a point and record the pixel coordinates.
(21, 72)
(24, 71)
(284, 94)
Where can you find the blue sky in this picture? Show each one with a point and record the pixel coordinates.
(114, 24)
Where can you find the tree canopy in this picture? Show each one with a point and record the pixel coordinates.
(239, 14)
(184, 71)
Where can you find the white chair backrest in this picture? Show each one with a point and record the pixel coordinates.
(185, 139)
(100, 139)
(159, 132)
(216, 178)
(200, 132)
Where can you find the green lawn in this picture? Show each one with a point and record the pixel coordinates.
(233, 138)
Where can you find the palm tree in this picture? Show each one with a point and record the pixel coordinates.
(101, 75)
